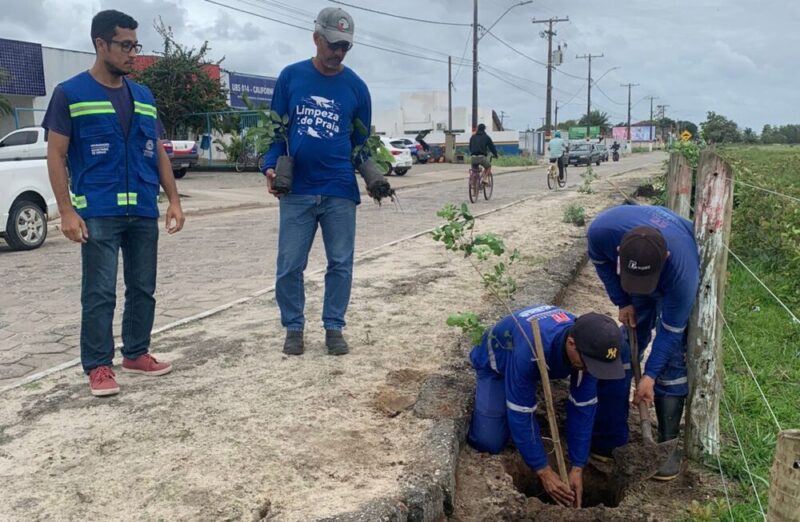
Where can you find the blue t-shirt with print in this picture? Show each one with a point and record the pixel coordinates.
(321, 112)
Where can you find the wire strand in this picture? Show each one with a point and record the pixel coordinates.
(795, 320)
(796, 200)
(724, 485)
(749, 368)
(744, 457)
(399, 16)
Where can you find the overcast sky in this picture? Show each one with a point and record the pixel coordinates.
(734, 57)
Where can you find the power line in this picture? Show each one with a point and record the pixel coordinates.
(596, 86)
(523, 89)
(534, 60)
(361, 43)
(399, 16)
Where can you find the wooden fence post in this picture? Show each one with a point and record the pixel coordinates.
(712, 225)
(784, 484)
(679, 184)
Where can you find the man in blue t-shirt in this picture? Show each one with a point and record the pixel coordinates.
(558, 150)
(325, 101)
(648, 260)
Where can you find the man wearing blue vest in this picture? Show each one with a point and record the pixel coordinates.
(648, 260)
(584, 350)
(104, 127)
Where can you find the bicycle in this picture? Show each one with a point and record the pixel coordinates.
(479, 178)
(247, 159)
(553, 179)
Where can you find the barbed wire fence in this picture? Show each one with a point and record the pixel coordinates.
(679, 194)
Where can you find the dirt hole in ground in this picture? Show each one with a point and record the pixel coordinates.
(599, 489)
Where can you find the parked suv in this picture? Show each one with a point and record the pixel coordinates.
(25, 143)
(583, 153)
(26, 203)
(401, 157)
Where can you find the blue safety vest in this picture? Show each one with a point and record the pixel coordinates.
(109, 174)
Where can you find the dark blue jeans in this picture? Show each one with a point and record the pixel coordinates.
(299, 218)
(137, 237)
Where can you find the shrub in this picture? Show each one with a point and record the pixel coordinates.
(575, 214)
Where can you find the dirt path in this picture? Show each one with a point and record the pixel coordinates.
(241, 432)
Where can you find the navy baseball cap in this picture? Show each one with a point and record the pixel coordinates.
(599, 340)
(642, 254)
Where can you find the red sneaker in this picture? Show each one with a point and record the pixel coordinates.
(145, 364)
(101, 381)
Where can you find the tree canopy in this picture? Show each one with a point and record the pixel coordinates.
(181, 85)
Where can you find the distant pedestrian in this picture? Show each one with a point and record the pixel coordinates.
(323, 100)
(648, 261)
(105, 126)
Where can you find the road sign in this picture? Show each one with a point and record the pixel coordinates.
(686, 135)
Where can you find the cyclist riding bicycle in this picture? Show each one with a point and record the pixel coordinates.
(480, 145)
(558, 153)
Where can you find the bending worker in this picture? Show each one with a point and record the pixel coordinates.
(582, 350)
(648, 261)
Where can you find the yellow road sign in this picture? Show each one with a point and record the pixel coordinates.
(686, 135)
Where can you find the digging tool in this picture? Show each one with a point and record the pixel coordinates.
(548, 401)
(634, 463)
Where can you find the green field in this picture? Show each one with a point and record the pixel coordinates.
(766, 236)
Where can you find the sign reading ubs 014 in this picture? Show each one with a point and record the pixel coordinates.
(257, 88)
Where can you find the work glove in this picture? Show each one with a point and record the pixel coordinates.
(377, 186)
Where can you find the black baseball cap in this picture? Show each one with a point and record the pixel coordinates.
(642, 255)
(599, 340)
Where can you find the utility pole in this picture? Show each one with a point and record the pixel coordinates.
(549, 33)
(555, 122)
(475, 66)
(450, 93)
(662, 110)
(502, 118)
(589, 90)
(629, 85)
(652, 127)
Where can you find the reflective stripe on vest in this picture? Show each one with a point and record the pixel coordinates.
(126, 198)
(78, 202)
(590, 402)
(673, 382)
(520, 409)
(87, 108)
(145, 109)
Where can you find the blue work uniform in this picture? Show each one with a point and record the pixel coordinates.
(667, 309)
(507, 380)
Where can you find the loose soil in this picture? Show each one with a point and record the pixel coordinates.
(241, 432)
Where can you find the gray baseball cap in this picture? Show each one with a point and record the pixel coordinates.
(335, 25)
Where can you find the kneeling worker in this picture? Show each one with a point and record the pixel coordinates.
(584, 349)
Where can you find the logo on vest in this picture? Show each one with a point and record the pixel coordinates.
(149, 149)
(98, 149)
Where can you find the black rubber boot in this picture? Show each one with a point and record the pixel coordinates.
(335, 342)
(669, 411)
(293, 345)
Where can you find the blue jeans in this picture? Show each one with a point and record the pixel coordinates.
(138, 239)
(300, 216)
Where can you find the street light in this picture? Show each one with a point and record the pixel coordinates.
(608, 71)
(475, 39)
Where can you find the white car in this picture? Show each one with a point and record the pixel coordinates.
(26, 202)
(401, 157)
(25, 143)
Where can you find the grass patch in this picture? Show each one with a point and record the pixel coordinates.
(766, 235)
(513, 161)
(575, 214)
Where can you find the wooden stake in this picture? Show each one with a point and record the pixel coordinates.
(679, 185)
(548, 401)
(784, 489)
(712, 226)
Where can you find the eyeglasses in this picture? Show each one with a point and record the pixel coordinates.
(342, 45)
(127, 46)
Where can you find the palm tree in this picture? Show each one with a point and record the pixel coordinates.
(5, 105)
(596, 119)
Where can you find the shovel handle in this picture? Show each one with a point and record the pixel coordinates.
(644, 413)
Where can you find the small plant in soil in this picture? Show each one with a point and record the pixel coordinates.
(588, 178)
(575, 214)
(373, 160)
(488, 255)
(271, 128)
